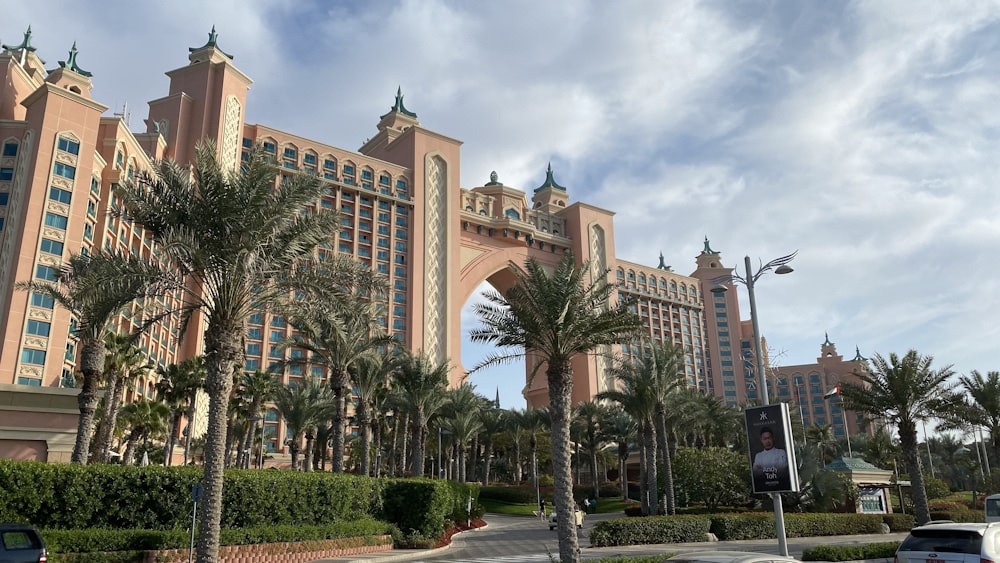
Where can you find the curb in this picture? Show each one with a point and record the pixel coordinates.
(397, 554)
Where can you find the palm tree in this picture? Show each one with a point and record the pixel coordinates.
(985, 391)
(419, 387)
(902, 391)
(371, 380)
(144, 419)
(665, 364)
(338, 334)
(822, 437)
(619, 427)
(589, 415)
(303, 406)
(194, 383)
(122, 365)
(552, 319)
(460, 418)
(518, 421)
(493, 421)
(94, 289)
(637, 396)
(234, 241)
(174, 389)
(257, 388)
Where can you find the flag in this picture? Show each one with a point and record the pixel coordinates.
(832, 392)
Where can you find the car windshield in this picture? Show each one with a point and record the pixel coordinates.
(943, 541)
(19, 539)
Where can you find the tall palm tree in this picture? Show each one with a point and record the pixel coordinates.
(123, 363)
(234, 241)
(338, 334)
(619, 427)
(195, 381)
(637, 395)
(493, 422)
(665, 365)
(420, 392)
(822, 437)
(589, 416)
(985, 392)
(903, 391)
(518, 421)
(553, 318)
(143, 419)
(460, 418)
(94, 288)
(303, 406)
(257, 388)
(173, 390)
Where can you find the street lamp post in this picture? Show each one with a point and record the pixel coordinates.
(779, 266)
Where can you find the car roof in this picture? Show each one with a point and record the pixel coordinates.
(722, 556)
(964, 526)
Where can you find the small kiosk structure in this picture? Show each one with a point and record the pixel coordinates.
(873, 484)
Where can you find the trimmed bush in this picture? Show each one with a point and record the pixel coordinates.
(899, 522)
(959, 515)
(756, 526)
(510, 495)
(421, 508)
(460, 493)
(654, 529)
(884, 550)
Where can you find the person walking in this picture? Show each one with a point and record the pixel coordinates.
(541, 509)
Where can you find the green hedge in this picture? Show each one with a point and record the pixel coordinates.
(761, 525)
(159, 498)
(899, 522)
(99, 540)
(655, 529)
(419, 507)
(959, 515)
(510, 495)
(460, 493)
(884, 550)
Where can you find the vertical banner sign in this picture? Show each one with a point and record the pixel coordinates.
(772, 450)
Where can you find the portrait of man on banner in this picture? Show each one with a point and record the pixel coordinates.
(772, 455)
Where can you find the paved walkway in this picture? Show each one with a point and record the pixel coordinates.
(509, 539)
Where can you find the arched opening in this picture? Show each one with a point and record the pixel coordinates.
(508, 378)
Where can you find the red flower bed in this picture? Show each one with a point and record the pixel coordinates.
(456, 528)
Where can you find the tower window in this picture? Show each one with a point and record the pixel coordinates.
(10, 149)
(68, 145)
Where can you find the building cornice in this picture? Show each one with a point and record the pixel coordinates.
(48, 88)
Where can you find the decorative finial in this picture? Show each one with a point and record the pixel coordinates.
(25, 43)
(708, 248)
(496, 403)
(213, 43)
(493, 179)
(857, 355)
(550, 181)
(827, 341)
(70, 63)
(663, 265)
(398, 105)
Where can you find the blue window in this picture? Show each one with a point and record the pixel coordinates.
(366, 174)
(277, 336)
(38, 328)
(247, 142)
(278, 322)
(43, 301)
(269, 147)
(253, 349)
(401, 246)
(10, 149)
(383, 179)
(62, 196)
(382, 268)
(254, 333)
(252, 365)
(6, 174)
(30, 381)
(68, 145)
(4, 198)
(309, 159)
(330, 164)
(276, 352)
(348, 169)
(52, 247)
(401, 185)
(46, 273)
(64, 170)
(1, 223)
(295, 369)
(513, 214)
(29, 356)
(290, 152)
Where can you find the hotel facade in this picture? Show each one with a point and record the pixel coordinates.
(404, 213)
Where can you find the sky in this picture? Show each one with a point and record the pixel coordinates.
(862, 134)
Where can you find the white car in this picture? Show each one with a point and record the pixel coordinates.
(577, 513)
(951, 543)
(730, 557)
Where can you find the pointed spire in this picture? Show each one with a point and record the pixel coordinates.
(708, 248)
(857, 355)
(494, 181)
(398, 105)
(70, 63)
(827, 341)
(663, 265)
(25, 43)
(213, 39)
(496, 402)
(550, 181)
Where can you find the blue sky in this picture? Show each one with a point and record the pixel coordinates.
(863, 134)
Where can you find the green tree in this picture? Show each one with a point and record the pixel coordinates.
(303, 406)
(985, 393)
(903, 391)
(712, 476)
(233, 241)
(143, 419)
(460, 418)
(123, 363)
(420, 392)
(174, 389)
(493, 422)
(619, 427)
(588, 415)
(257, 389)
(94, 288)
(821, 437)
(371, 379)
(665, 362)
(551, 319)
(194, 383)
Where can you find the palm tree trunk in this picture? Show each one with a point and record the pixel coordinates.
(293, 448)
(190, 424)
(222, 350)
(251, 433)
(417, 455)
(395, 451)
(560, 381)
(517, 460)
(643, 468)
(338, 384)
(487, 458)
(168, 448)
(361, 416)
(230, 440)
(106, 428)
(622, 470)
(91, 364)
(663, 452)
(911, 457)
(307, 457)
(377, 439)
(128, 456)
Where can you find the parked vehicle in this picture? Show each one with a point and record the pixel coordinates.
(950, 543)
(577, 513)
(730, 557)
(21, 544)
(992, 506)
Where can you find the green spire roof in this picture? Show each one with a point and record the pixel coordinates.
(663, 265)
(550, 182)
(827, 341)
(857, 355)
(398, 105)
(25, 43)
(70, 63)
(496, 402)
(708, 249)
(213, 43)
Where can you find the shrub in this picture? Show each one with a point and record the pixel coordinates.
(947, 505)
(936, 488)
(899, 522)
(421, 508)
(959, 515)
(510, 495)
(754, 526)
(882, 550)
(460, 493)
(654, 529)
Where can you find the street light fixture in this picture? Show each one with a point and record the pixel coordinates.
(778, 266)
